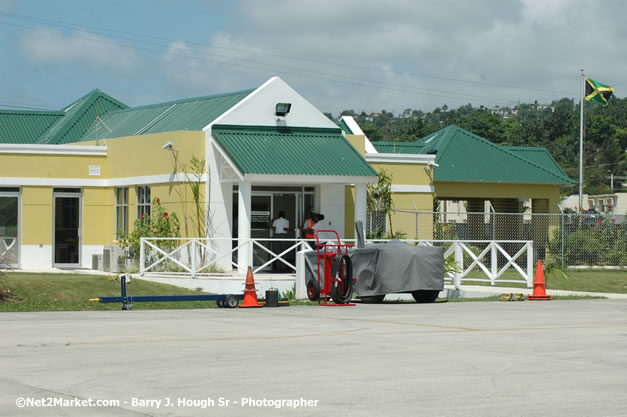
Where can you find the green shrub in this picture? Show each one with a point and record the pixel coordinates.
(599, 242)
(160, 223)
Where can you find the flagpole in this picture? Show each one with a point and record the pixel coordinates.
(583, 86)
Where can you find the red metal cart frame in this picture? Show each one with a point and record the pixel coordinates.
(328, 252)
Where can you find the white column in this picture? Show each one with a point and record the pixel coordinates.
(360, 205)
(219, 209)
(244, 253)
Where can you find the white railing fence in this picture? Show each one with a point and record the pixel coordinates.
(8, 249)
(504, 261)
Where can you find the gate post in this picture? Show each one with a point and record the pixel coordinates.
(459, 261)
(142, 257)
(530, 264)
(493, 262)
(193, 260)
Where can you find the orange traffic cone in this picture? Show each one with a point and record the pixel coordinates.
(250, 294)
(539, 287)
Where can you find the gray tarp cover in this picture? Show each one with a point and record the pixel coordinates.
(391, 267)
(397, 267)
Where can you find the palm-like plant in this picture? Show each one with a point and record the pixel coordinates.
(380, 197)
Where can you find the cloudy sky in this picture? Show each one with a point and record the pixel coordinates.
(339, 54)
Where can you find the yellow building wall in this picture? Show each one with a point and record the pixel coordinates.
(98, 216)
(51, 166)
(406, 173)
(349, 212)
(36, 215)
(358, 142)
(136, 156)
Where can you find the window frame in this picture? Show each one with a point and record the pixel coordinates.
(121, 205)
(143, 201)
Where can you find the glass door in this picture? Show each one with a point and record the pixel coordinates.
(266, 203)
(260, 217)
(9, 225)
(67, 227)
(285, 203)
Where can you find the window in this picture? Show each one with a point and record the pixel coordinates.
(610, 204)
(121, 211)
(143, 201)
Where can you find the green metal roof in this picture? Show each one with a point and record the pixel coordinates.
(291, 151)
(25, 126)
(187, 114)
(342, 124)
(397, 147)
(465, 157)
(539, 156)
(80, 116)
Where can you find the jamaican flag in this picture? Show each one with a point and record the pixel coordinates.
(595, 91)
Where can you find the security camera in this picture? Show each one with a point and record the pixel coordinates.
(168, 146)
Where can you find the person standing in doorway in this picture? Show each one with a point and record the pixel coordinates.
(308, 227)
(280, 227)
(312, 224)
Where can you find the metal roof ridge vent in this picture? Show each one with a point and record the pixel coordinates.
(155, 120)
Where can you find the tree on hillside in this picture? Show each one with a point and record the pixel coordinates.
(485, 124)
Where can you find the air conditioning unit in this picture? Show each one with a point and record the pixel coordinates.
(96, 262)
(113, 257)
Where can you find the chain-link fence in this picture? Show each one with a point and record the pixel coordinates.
(586, 240)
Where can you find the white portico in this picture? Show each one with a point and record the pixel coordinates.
(262, 161)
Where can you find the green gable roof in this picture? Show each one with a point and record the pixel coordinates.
(79, 117)
(55, 127)
(25, 126)
(188, 114)
(397, 147)
(466, 157)
(291, 151)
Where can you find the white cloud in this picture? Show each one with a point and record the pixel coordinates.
(536, 44)
(195, 70)
(50, 46)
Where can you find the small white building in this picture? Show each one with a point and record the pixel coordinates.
(615, 203)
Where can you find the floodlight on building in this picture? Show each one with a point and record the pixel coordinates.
(282, 109)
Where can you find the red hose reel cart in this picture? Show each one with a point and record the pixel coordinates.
(335, 281)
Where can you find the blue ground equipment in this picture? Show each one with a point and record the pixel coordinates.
(223, 300)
